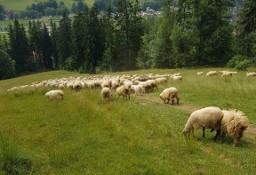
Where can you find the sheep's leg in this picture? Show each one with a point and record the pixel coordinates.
(235, 141)
(203, 132)
(178, 101)
(218, 132)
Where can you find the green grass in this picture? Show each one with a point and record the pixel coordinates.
(84, 134)
(21, 5)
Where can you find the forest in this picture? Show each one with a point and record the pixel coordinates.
(187, 33)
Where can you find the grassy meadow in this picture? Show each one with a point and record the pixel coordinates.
(85, 134)
(21, 5)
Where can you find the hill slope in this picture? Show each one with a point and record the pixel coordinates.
(20, 5)
(85, 134)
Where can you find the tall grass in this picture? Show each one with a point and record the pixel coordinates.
(85, 134)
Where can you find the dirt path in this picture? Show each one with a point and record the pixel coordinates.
(250, 131)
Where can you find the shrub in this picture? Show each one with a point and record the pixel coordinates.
(239, 62)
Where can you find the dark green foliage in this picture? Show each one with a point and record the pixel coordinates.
(7, 65)
(19, 46)
(48, 8)
(127, 33)
(239, 62)
(2, 12)
(64, 40)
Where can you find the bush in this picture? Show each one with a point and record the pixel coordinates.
(239, 62)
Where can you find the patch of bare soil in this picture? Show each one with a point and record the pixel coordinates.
(181, 106)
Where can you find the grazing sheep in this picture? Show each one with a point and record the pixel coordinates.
(208, 117)
(227, 73)
(55, 95)
(199, 73)
(161, 80)
(169, 94)
(138, 89)
(211, 73)
(77, 86)
(176, 77)
(234, 123)
(251, 74)
(106, 92)
(124, 91)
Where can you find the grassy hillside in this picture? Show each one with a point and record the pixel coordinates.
(85, 134)
(20, 5)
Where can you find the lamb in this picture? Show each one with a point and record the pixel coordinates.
(106, 92)
(234, 123)
(169, 94)
(55, 95)
(124, 91)
(208, 117)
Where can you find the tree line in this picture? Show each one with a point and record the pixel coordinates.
(189, 33)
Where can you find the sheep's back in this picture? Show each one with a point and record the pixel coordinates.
(209, 117)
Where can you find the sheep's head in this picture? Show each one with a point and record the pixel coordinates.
(186, 132)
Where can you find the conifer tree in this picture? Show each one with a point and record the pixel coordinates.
(19, 46)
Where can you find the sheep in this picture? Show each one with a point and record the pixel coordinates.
(211, 73)
(250, 74)
(234, 123)
(176, 77)
(169, 94)
(199, 73)
(124, 91)
(227, 73)
(106, 83)
(208, 117)
(138, 89)
(161, 80)
(55, 95)
(106, 92)
(77, 86)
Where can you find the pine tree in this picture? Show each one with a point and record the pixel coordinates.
(64, 41)
(54, 41)
(46, 48)
(19, 47)
(95, 45)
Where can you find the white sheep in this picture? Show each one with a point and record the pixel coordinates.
(161, 80)
(77, 86)
(208, 117)
(176, 77)
(106, 92)
(199, 73)
(211, 73)
(227, 73)
(138, 89)
(169, 94)
(234, 123)
(124, 91)
(250, 74)
(55, 95)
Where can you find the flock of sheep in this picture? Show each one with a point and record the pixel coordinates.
(231, 122)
